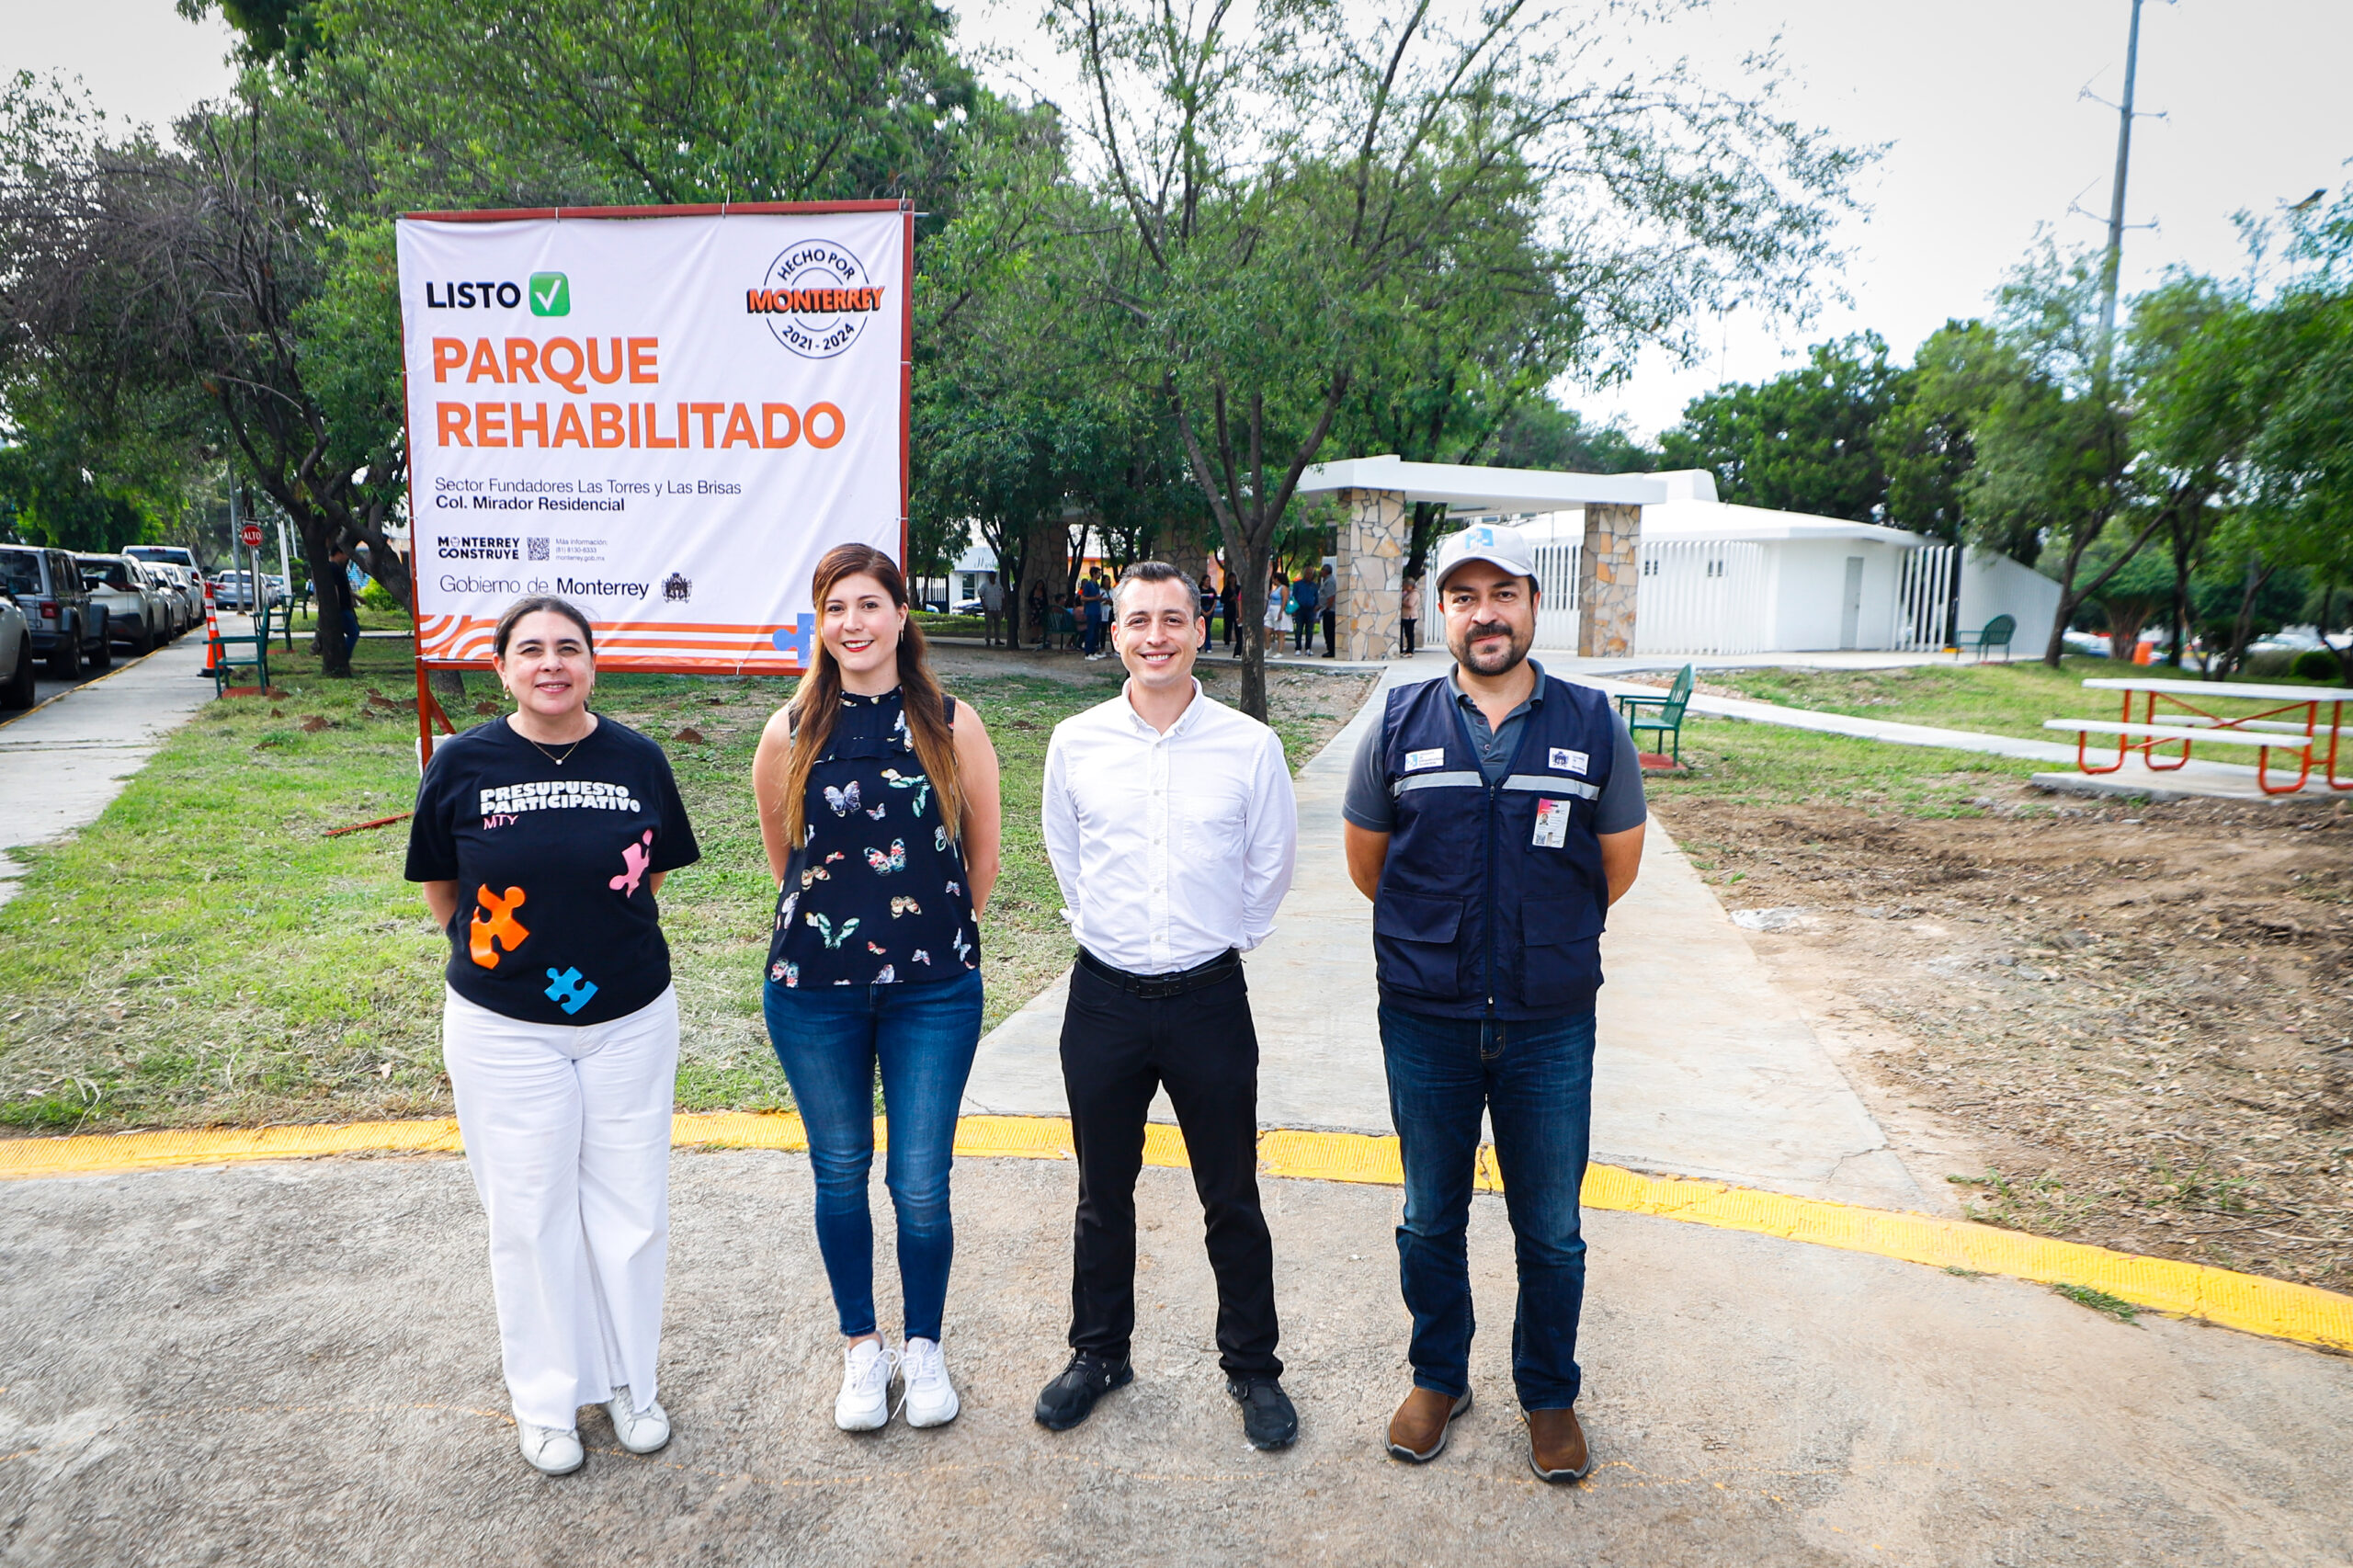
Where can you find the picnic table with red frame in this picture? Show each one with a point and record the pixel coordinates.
(2301, 717)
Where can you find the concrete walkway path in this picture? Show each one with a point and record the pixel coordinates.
(62, 763)
(1703, 1068)
(298, 1363)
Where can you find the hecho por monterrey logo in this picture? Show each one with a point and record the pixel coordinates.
(817, 298)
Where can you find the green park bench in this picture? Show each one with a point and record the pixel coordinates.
(225, 660)
(1994, 633)
(1668, 722)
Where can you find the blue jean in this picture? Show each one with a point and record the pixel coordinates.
(828, 1040)
(1535, 1082)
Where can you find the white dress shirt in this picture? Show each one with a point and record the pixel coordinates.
(1170, 848)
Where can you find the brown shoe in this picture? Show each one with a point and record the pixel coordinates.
(1556, 1449)
(1417, 1432)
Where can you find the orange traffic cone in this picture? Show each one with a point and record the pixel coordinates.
(211, 632)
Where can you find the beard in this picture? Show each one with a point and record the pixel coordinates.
(1516, 650)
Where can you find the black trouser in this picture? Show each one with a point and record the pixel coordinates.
(1117, 1049)
(1331, 626)
(1405, 629)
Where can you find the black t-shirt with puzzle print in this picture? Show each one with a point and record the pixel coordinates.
(555, 923)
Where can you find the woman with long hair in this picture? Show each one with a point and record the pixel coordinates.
(554, 828)
(878, 798)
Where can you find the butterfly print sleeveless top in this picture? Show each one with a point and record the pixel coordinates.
(876, 893)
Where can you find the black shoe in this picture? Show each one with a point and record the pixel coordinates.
(1267, 1418)
(1070, 1398)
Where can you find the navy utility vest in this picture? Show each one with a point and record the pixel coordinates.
(1492, 900)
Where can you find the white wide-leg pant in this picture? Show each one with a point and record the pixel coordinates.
(567, 1133)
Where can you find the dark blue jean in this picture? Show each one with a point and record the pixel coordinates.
(829, 1039)
(1535, 1082)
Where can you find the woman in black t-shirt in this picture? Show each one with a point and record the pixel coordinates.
(878, 802)
(542, 840)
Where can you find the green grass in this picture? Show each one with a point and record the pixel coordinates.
(2116, 1307)
(1995, 699)
(204, 954)
(1767, 765)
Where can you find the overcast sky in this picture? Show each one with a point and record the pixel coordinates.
(1979, 100)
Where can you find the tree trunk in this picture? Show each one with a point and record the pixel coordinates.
(2070, 602)
(2257, 575)
(1257, 561)
(449, 689)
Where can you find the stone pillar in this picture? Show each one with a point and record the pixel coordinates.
(1609, 579)
(1371, 573)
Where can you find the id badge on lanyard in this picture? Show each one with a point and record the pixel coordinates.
(1551, 824)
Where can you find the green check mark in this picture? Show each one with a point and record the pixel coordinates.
(551, 294)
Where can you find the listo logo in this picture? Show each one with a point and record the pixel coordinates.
(549, 292)
(816, 299)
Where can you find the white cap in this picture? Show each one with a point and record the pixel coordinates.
(1505, 546)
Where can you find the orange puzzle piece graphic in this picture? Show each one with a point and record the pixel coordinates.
(500, 927)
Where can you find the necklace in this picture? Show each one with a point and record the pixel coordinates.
(551, 757)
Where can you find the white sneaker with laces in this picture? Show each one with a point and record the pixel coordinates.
(552, 1450)
(930, 1399)
(640, 1431)
(864, 1403)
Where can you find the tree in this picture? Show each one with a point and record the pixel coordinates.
(2053, 444)
(1539, 433)
(1267, 195)
(1803, 441)
(1928, 443)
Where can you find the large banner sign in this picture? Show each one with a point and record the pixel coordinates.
(662, 415)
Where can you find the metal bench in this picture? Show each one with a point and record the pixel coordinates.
(1669, 721)
(2151, 736)
(222, 661)
(1994, 633)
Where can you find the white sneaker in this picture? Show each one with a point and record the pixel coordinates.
(553, 1450)
(640, 1431)
(931, 1398)
(864, 1403)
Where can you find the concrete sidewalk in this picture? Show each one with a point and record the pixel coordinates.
(298, 1363)
(62, 763)
(1703, 1069)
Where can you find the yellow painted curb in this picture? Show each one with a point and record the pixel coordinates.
(2247, 1302)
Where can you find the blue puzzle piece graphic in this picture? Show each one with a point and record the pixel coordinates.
(570, 989)
(796, 642)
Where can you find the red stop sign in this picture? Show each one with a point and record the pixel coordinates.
(250, 535)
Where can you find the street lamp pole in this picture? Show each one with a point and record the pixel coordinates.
(2113, 262)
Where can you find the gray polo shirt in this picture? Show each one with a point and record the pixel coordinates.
(1369, 806)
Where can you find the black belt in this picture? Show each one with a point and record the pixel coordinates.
(1160, 987)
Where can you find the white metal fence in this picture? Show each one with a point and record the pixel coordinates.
(1701, 597)
(1924, 598)
(1557, 607)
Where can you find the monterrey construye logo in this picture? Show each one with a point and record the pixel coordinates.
(816, 297)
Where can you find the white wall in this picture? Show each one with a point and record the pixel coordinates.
(1992, 584)
(1807, 584)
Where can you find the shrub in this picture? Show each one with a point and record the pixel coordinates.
(2317, 663)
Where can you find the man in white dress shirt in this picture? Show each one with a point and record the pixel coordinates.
(1171, 825)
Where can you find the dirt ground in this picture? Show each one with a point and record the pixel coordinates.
(2126, 1024)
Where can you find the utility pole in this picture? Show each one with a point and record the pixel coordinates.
(2113, 262)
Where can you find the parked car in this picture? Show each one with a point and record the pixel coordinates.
(138, 613)
(180, 564)
(16, 678)
(187, 601)
(68, 630)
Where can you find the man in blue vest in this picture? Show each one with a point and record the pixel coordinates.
(1493, 817)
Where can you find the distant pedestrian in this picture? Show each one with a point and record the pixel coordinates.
(878, 802)
(1303, 614)
(1229, 600)
(1278, 606)
(1409, 609)
(555, 827)
(1038, 613)
(1330, 600)
(341, 560)
(992, 608)
(1492, 816)
(1209, 611)
(1090, 611)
